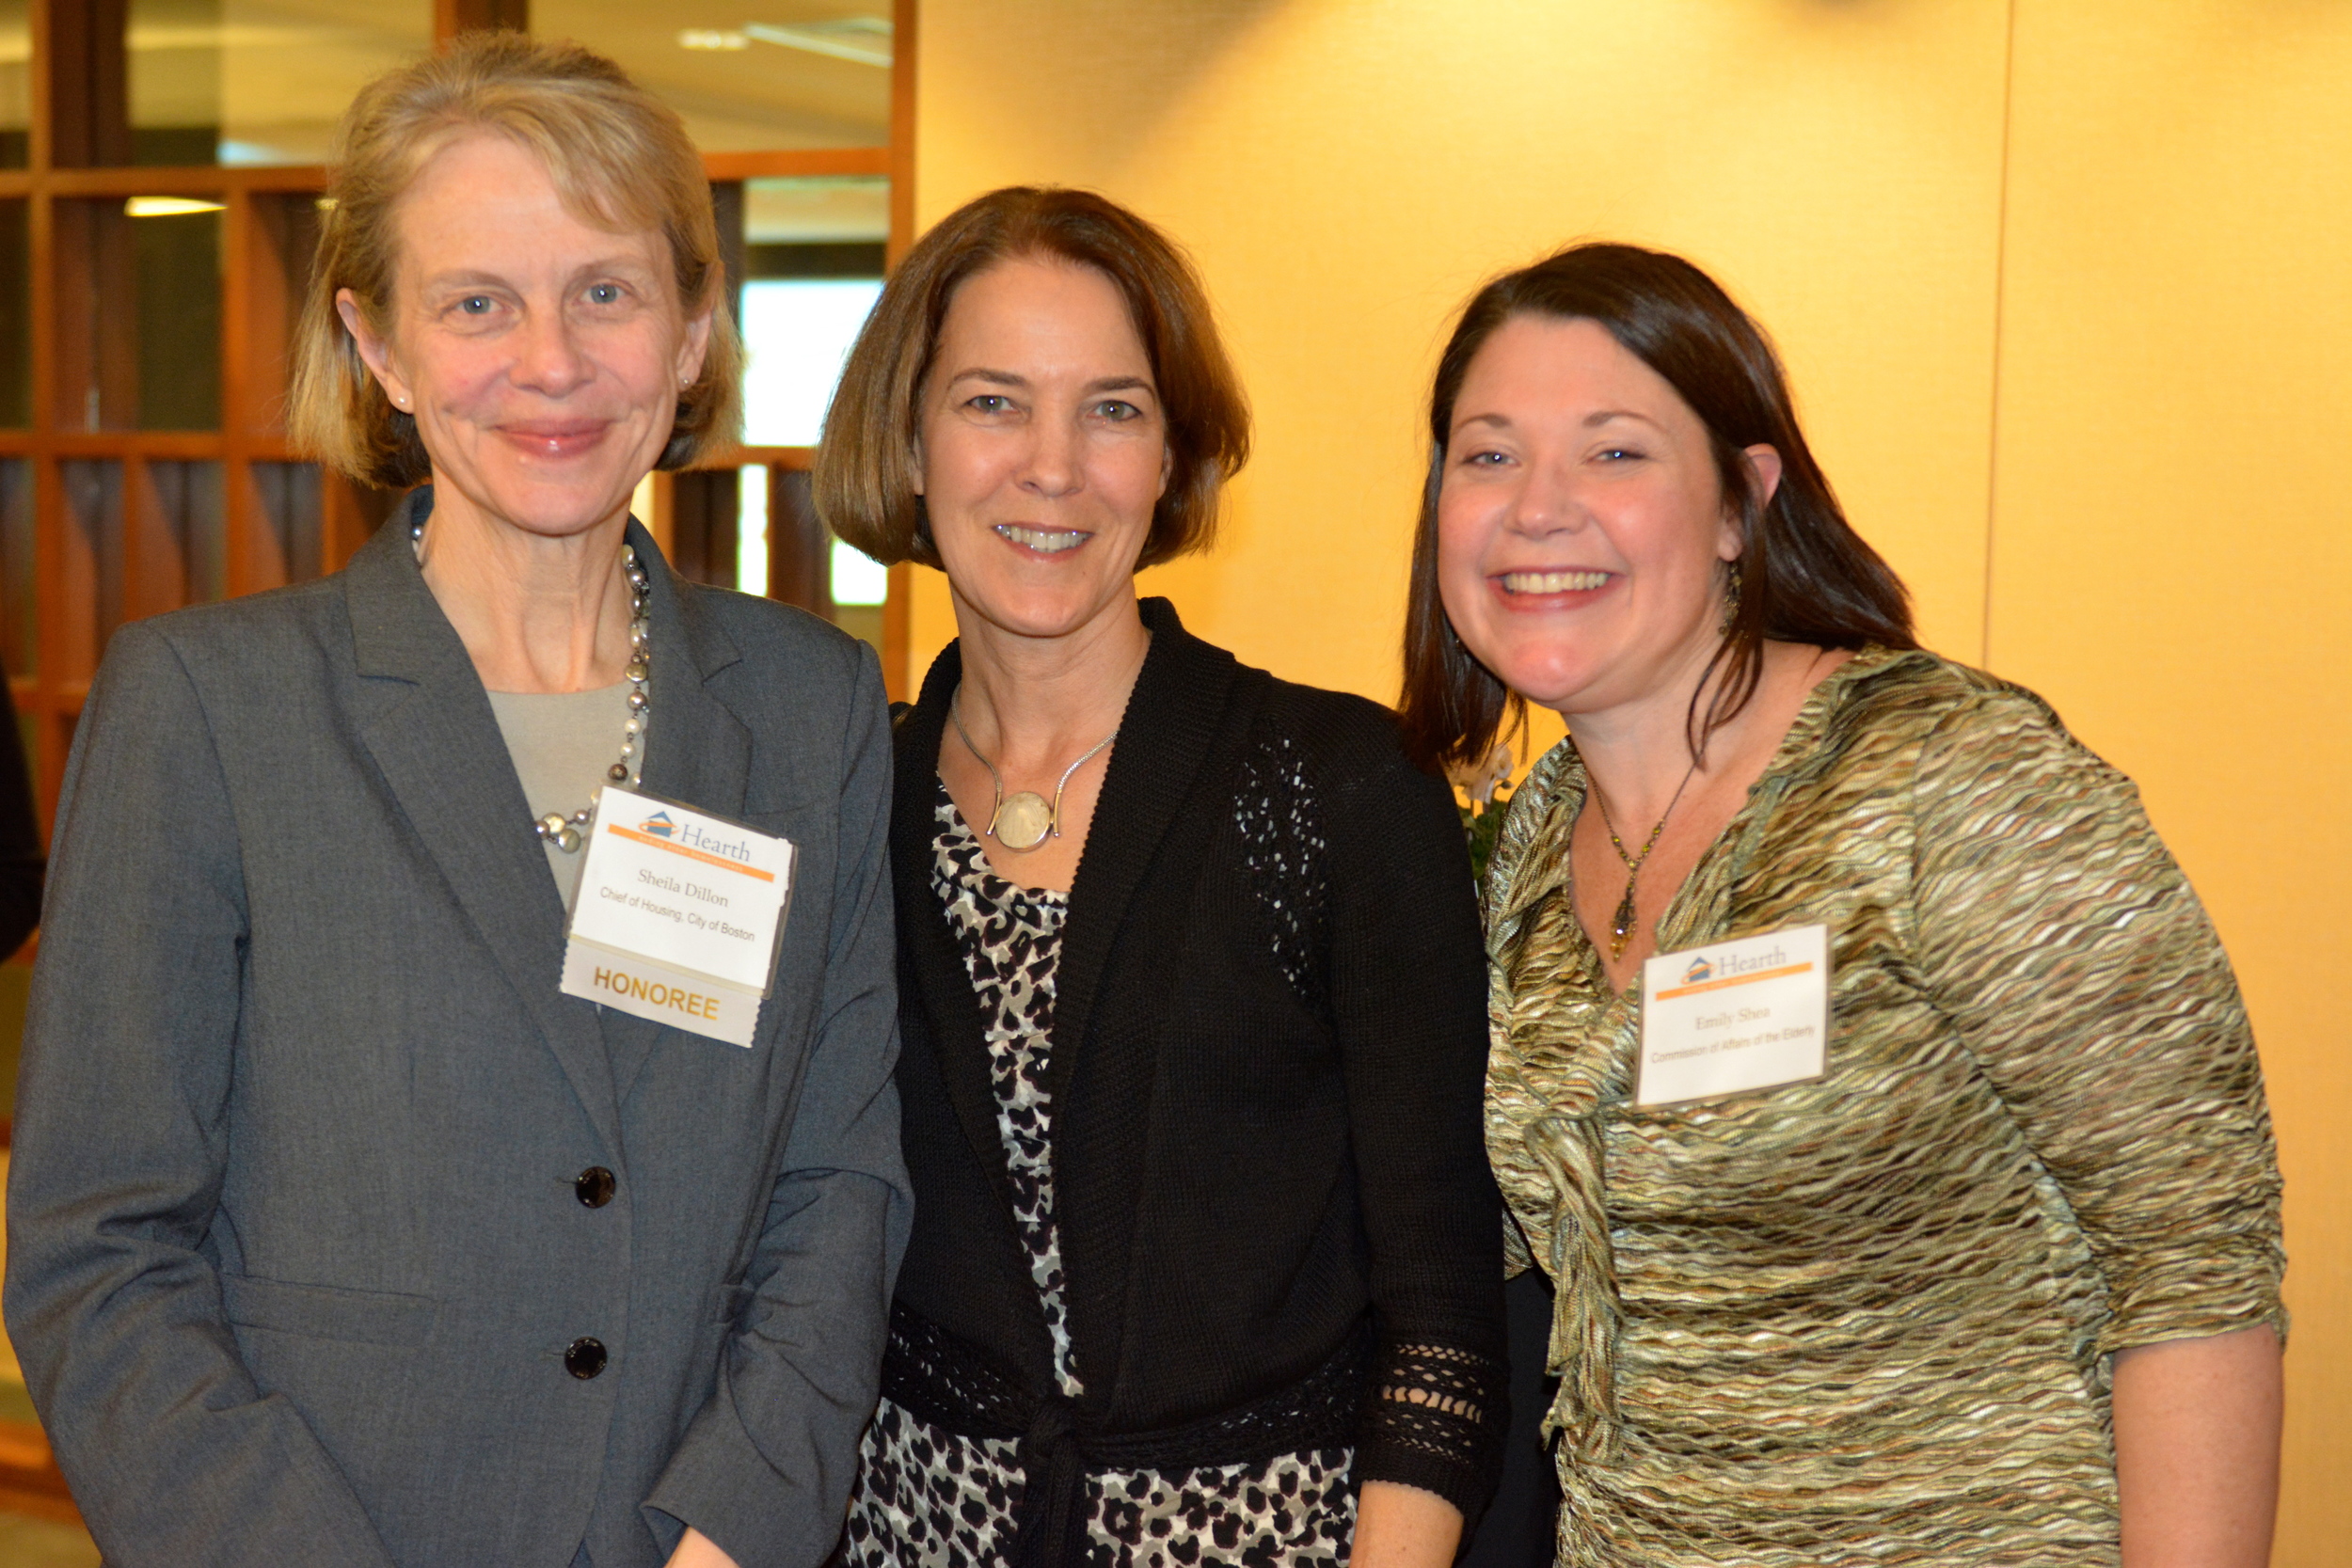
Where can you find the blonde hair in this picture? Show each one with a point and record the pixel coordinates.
(619, 159)
(866, 475)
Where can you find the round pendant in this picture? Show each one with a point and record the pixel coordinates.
(1023, 820)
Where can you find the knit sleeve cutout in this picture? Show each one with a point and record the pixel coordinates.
(1435, 1418)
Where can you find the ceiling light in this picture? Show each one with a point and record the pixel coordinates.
(863, 38)
(712, 37)
(166, 207)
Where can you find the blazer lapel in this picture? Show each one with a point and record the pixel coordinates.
(428, 724)
(697, 752)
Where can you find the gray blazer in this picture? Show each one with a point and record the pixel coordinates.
(296, 1248)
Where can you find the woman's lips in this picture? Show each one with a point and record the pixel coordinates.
(1551, 588)
(556, 439)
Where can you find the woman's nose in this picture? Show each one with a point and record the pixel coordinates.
(550, 360)
(1057, 460)
(1545, 504)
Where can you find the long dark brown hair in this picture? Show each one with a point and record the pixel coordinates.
(1805, 575)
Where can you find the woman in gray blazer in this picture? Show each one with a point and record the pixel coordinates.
(340, 1234)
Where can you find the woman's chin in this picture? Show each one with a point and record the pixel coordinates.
(551, 510)
(1045, 613)
(1538, 669)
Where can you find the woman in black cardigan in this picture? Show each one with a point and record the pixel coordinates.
(1206, 1258)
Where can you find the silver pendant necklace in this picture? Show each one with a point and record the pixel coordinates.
(565, 831)
(1023, 821)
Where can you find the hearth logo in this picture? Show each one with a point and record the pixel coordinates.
(687, 836)
(1700, 970)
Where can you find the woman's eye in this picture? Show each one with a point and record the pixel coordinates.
(1617, 454)
(1116, 411)
(604, 293)
(989, 403)
(475, 305)
(1483, 460)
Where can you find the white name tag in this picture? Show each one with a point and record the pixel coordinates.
(1751, 1014)
(678, 917)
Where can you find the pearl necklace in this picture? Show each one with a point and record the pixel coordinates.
(556, 828)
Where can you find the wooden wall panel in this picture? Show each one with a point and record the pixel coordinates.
(453, 17)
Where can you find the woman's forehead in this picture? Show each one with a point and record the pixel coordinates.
(1566, 366)
(481, 190)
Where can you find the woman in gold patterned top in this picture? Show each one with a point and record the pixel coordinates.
(2000, 1283)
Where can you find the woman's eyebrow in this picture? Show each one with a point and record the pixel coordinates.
(465, 278)
(622, 264)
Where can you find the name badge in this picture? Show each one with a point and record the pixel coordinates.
(678, 917)
(1751, 1014)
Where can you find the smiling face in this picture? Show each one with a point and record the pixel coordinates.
(1581, 524)
(1043, 446)
(542, 356)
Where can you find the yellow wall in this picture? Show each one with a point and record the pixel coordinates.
(2060, 283)
(2172, 533)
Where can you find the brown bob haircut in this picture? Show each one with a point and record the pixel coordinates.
(866, 470)
(1805, 575)
(620, 160)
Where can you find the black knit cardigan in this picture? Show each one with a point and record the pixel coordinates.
(1267, 1061)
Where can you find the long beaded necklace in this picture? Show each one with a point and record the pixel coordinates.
(1023, 821)
(565, 831)
(1621, 923)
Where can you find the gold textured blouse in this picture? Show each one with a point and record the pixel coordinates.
(1866, 1318)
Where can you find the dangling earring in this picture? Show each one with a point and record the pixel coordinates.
(1734, 573)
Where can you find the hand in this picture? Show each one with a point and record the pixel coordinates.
(697, 1550)
(1404, 1527)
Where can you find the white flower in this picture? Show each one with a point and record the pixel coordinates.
(1479, 781)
